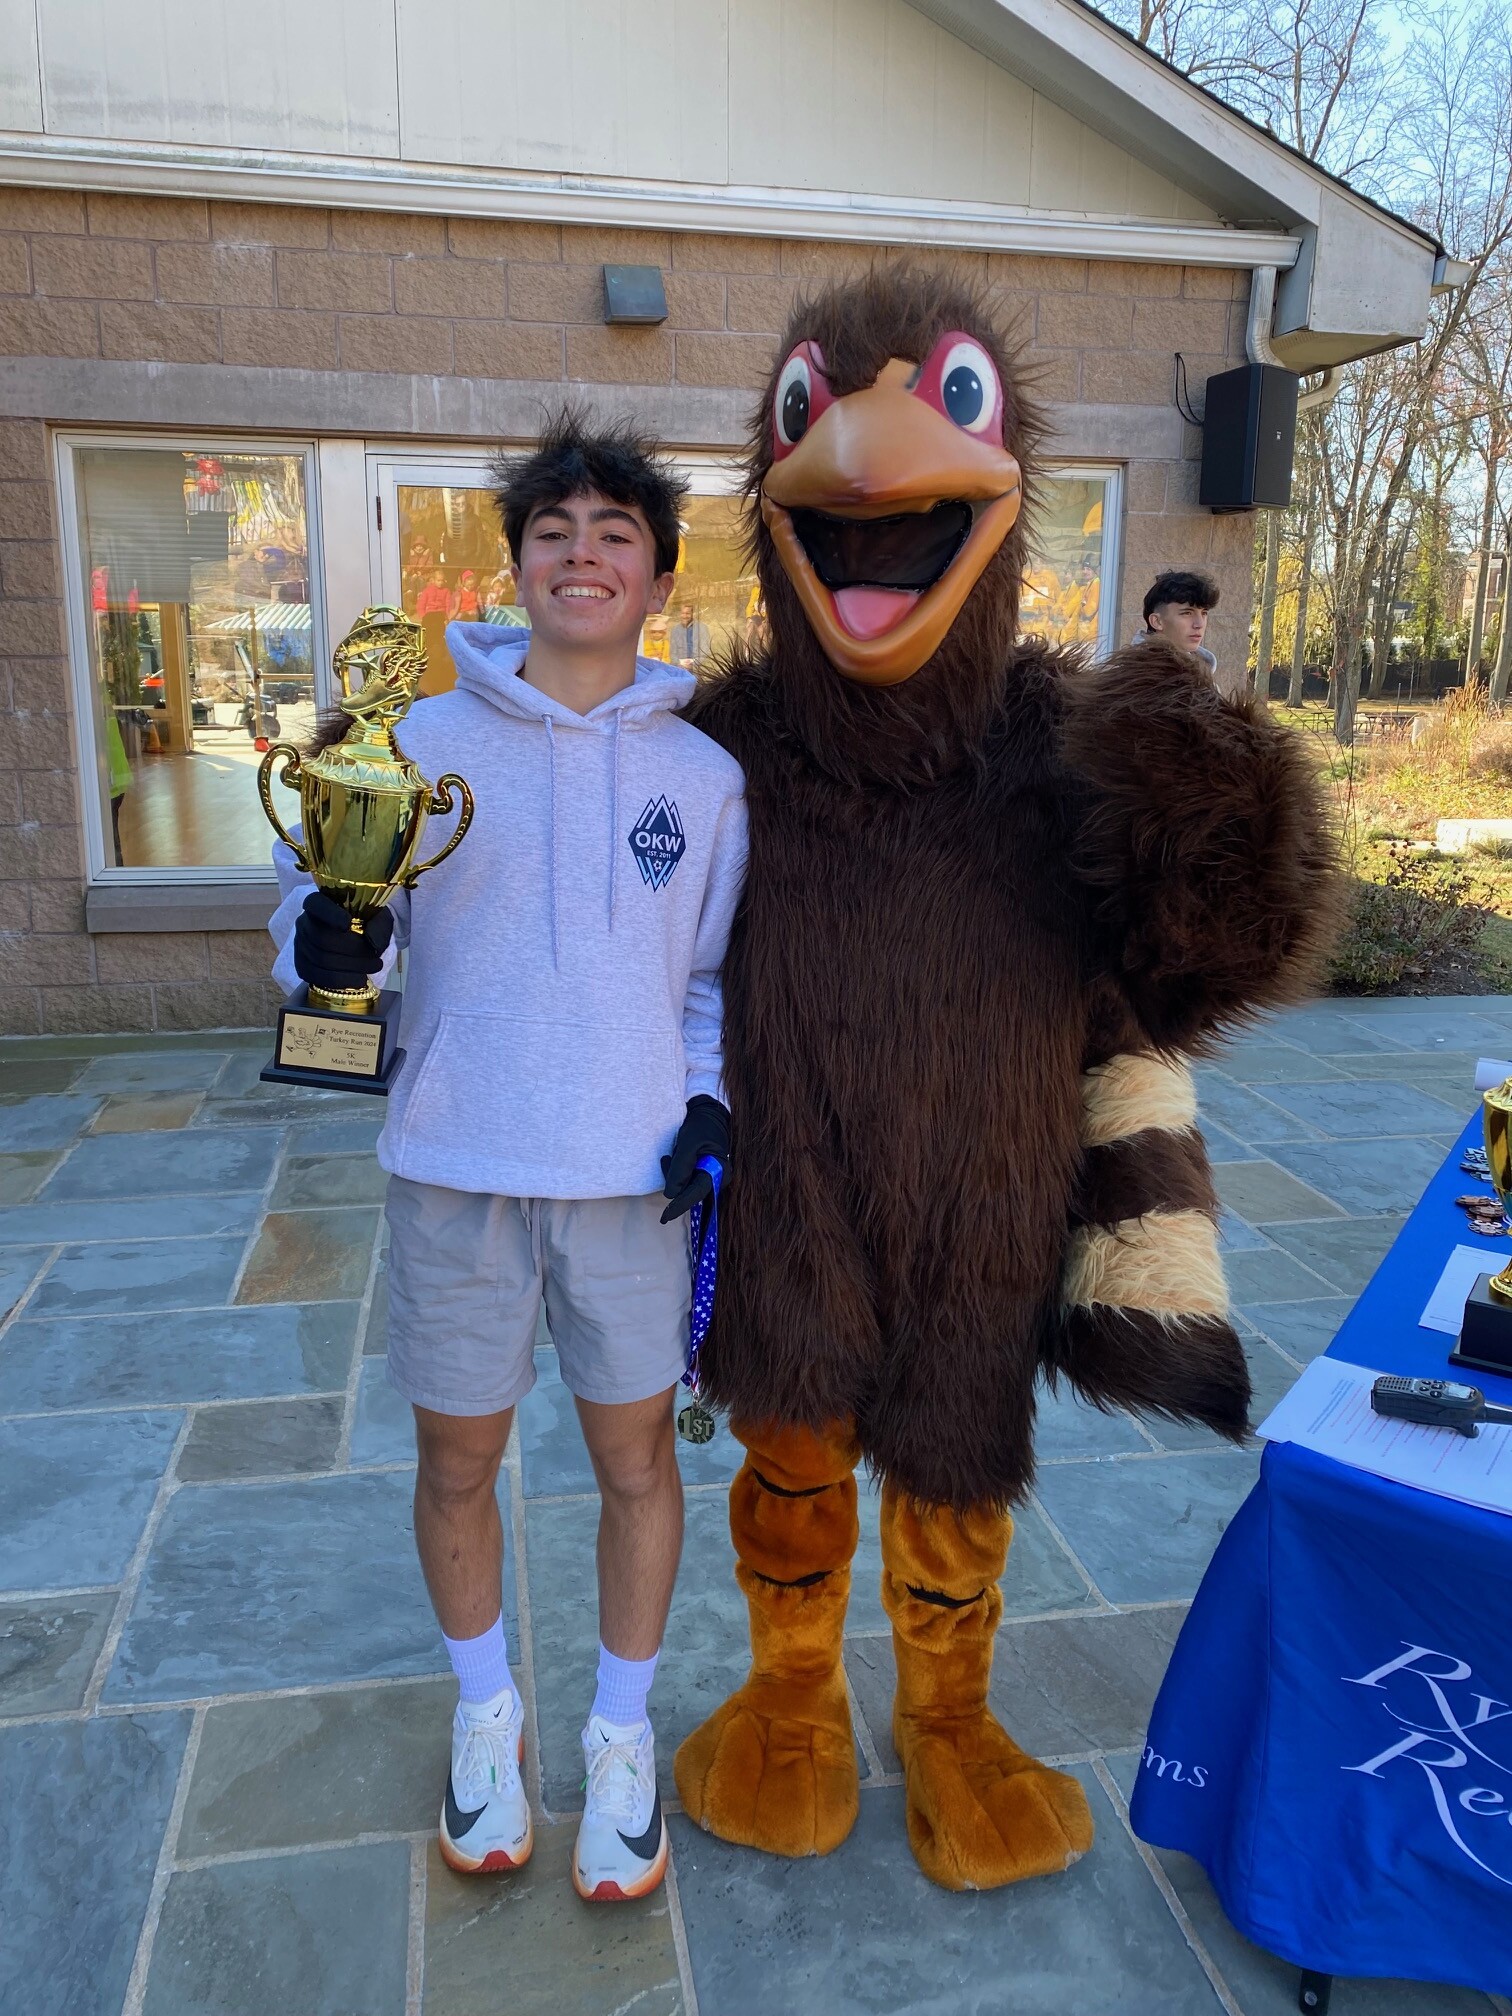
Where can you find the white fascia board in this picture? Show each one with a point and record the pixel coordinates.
(246, 175)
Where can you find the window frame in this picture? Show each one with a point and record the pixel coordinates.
(90, 759)
(1112, 474)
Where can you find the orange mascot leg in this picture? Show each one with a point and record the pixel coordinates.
(981, 1811)
(775, 1767)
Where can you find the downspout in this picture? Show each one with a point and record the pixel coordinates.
(1262, 306)
(1257, 340)
(1323, 393)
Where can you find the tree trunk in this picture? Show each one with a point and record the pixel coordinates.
(1349, 640)
(1299, 638)
(1502, 675)
(1482, 575)
(1380, 637)
(1265, 646)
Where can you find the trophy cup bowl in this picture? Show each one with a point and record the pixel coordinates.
(363, 809)
(1485, 1340)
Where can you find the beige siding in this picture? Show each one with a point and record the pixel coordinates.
(865, 96)
(20, 73)
(314, 76)
(594, 88)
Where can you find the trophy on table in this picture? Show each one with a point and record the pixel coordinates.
(1486, 1338)
(363, 805)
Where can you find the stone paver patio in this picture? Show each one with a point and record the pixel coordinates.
(224, 1709)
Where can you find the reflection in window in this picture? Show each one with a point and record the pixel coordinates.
(454, 566)
(1063, 587)
(714, 599)
(196, 576)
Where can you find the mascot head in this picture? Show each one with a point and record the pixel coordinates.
(888, 478)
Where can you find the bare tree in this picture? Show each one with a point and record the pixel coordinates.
(1427, 133)
(1456, 142)
(1485, 384)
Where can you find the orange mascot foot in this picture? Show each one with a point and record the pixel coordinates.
(775, 1767)
(981, 1811)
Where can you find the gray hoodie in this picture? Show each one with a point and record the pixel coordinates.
(562, 998)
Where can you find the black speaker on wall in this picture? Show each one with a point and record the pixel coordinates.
(1249, 428)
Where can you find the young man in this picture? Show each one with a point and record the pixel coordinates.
(562, 1015)
(1176, 608)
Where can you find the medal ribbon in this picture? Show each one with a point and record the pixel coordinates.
(703, 1258)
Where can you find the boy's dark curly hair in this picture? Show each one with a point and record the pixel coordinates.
(576, 454)
(1179, 585)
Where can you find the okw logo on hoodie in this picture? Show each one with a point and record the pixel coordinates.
(657, 842)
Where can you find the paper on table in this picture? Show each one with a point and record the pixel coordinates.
(1446, 1305)
(1329, 1410)
(1491, 1071)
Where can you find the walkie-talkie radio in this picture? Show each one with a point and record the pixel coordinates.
(1435, 1403)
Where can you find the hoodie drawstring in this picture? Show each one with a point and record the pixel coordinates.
(552, 862)
(614, 827)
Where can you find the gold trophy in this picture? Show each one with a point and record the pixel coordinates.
(1486, 1339)
(363, 805)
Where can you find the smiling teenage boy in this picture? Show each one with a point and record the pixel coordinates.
(562, 1015)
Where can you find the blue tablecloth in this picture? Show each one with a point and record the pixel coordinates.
(1333, 1739)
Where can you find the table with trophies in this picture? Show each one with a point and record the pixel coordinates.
(1333, 1738)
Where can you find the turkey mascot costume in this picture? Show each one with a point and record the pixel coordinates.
(995, 893)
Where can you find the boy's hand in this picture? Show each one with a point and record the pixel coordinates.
(328, 952)
(705, 1131)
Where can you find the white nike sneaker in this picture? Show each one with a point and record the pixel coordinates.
(621, 1847)
(485, 1820)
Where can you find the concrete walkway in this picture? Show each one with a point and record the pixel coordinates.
(224, 1712)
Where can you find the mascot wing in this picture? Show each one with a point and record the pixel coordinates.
(1202, 842)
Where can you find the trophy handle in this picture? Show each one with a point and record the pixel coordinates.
(289, 777)
(441, 801)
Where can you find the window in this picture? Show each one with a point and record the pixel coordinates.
(443, 558)
(196, 642)
(197, 612)
(1070, 586)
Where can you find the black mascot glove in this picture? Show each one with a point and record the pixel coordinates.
(705, 1131)
(328, 952)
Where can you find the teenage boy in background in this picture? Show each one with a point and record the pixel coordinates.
(1176, 608)
(562, 1015)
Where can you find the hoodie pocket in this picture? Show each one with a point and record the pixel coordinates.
(556, 1099)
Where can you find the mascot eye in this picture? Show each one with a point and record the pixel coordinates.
(968, 386)
(792, 400)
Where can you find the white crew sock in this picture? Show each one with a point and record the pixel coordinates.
(623, 1685)
(481, 1664)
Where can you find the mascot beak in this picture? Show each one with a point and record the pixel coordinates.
(884, 516)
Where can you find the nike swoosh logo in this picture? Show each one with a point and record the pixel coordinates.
(645, 1845)
(458, 1822)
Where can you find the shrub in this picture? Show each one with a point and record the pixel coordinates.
(1491, 754)
(1417, 913)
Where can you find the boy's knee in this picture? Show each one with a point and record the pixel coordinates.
(642, 1469)
(457, 1464)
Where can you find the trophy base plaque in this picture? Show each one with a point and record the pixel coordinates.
(1485, 1340)
(336, 1052)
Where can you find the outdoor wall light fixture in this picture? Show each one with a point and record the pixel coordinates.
(634, 294)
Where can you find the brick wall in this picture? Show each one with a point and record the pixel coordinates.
(150, 279)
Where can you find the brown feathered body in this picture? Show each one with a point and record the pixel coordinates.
(964, 892)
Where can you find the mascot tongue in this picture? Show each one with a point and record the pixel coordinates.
(868, 612)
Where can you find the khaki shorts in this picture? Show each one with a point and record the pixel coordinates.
(467, 1274)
